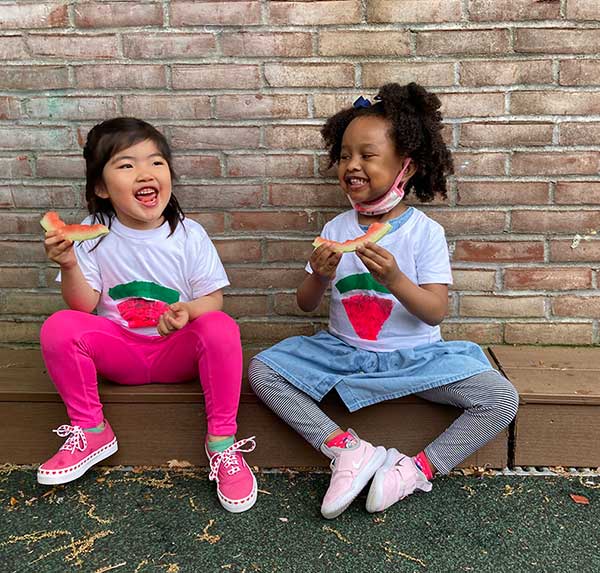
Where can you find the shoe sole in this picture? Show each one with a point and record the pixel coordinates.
(240, 506)
(361, 481)
(57, 477)
(376, 490)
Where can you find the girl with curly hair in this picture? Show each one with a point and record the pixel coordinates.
(388, 299)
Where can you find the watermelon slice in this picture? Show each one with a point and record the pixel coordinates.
(375, 232)
(367, 314)
(51, 221)
(139, 312)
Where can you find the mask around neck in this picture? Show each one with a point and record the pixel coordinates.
(388, 200)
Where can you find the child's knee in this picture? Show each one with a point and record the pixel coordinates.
(216, 326)
(504, 401)
(58, 326)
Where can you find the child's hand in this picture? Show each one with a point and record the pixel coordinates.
(174, 319)
(60, 250)
(380, 262)
(324, 261)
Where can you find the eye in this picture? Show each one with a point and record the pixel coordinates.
(158, 162)
(368, 155)
(125, 166)
(344, 157)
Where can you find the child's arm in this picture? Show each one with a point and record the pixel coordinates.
(180, 313)
(429, 302)
(324, 262)
(76, 291)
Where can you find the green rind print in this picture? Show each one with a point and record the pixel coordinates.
(144, 289)
(360, 281)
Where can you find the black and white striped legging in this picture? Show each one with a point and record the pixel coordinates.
(488, 399)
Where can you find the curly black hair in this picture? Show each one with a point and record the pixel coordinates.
(415, 129)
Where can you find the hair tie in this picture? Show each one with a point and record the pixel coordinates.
(361, 102)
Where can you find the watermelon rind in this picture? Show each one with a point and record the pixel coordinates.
(375, 232)
(144, 289)
(51, 221)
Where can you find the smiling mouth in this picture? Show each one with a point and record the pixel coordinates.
(147, 196)
(354, 183)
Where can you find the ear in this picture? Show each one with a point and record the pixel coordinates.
(412, 169)
(101, 191)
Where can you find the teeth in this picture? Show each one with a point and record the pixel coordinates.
(355, 181)
(147, 191)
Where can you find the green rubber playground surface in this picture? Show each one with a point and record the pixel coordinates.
(170, 521)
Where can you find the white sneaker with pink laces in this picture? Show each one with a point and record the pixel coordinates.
(394, 480)
(236, 484)
(352, 467)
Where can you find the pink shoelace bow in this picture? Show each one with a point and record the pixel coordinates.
(76, 440)
(229, 458)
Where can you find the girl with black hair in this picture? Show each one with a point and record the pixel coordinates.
(387, 301)
(156, 283)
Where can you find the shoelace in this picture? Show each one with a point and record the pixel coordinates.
(76, 440)
(229, 459)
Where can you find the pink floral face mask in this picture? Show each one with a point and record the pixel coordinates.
(387, 201)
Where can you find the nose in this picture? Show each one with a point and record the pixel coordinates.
(144, 176)
(353, 163)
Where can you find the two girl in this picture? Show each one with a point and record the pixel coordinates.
(387, 301)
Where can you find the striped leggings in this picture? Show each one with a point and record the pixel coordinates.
(488, 399)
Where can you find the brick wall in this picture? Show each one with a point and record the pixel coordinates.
(241, 89)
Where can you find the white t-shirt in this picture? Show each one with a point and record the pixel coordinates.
(364, 313)
(139, 273)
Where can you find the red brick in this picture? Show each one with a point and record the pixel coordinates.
(18, 332)
(6, 200)
(35, 138)
(166, 45)
(306, 195)
(40, 303)
(285, 304)
(472, 104)
(212, 222)
(117, 14)
(392, 11)
(315, 13)
(293, 136)
(271, 331)
(13, 48)
(215, 137)
(548, 333)
(273, 221)
(501, 72)
(309, 75)
(484, 10)
(359, 43)
(554, 221)
(120, 76)
(215, 76)
(479, 163)
(473, 279)
(76, 108)
(500, 251)
(547, 278)
(16, 167)
(19, 277)
(478, 332)
(61, 166)
(263, 106)
(502, 193)
(169, 106)
(505, 134)
(219, 12)
(566, 251)
(554, 103)
(270, 165)
(375, 74)
(256, 44)
(577, 192)
(10, 108)
(555, 163)
(265, 278)
(469, 222)
(556, 40)
(287, 250)
(579, 72)
(504, 306)
(46, 197)
(237, 305)
(36, 15)
(327, 104)
(219, 196)
(197, 166)
(579, 133)
(583, 306)
(25, 77)
(73, 46)
(477, 42)
(22, 252)
(583, 10)
(238, 250)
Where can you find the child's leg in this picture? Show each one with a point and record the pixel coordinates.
(354, 460)
(490, 403)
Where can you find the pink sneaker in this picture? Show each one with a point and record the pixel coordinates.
(394, 480)
(78, 454)
(236, 484)
(351, 469)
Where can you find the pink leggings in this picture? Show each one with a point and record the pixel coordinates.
(77, 345)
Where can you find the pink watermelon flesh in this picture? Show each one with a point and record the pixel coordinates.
(139, 312)
(51, 222)
(375, 232)
(367, 314)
